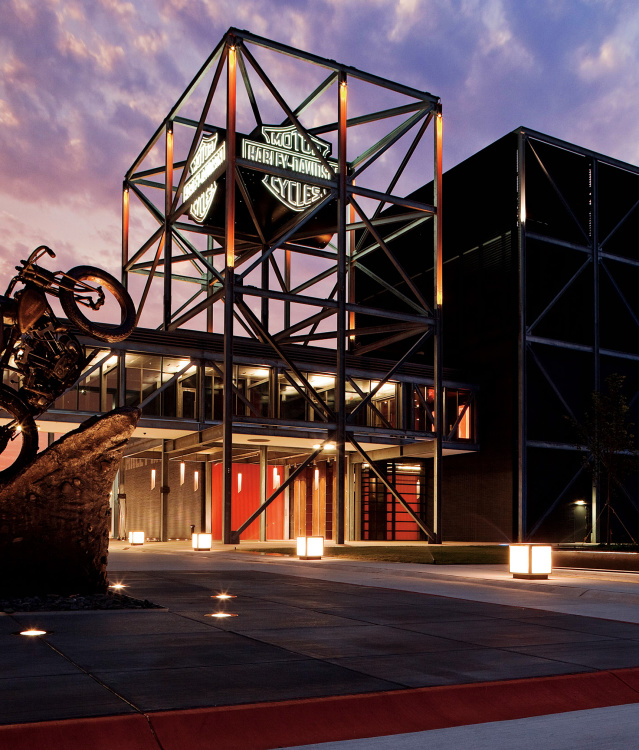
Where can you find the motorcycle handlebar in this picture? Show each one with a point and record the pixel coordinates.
(40, 250)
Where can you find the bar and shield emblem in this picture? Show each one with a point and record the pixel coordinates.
(207, 160)
(269, 199)
(284, 147)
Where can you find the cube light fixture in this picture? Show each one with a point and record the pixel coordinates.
(136, 538)
(310, 547)
(201, 541)
(531, 561)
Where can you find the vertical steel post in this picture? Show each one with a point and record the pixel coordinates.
(351, 277)
(229, 295)
(168, 234)
(201, 395)
(340, 384)
(265, 286)
(121, 378)
(521, 344)
(596, 489)
(263, 489)
(209, 291)
(125, 234)
(208, 495)
(438, 374)
(164, 494)
(287, 283)
(288, 510)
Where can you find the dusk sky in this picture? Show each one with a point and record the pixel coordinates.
(85, 84)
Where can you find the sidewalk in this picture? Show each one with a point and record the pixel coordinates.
(336, 649)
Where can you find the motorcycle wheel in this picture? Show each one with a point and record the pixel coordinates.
(19, 446)
(101, 331)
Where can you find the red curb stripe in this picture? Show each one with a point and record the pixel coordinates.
(280, 724)
(262, 726)
(123, 732)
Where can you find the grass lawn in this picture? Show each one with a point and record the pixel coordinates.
(426, 555)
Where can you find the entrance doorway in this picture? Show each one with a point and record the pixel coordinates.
(383, 518)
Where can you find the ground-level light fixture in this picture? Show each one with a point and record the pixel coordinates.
(136, 538)
(117, 586)
(221, 615)
(310, 547)
(201, 541)
(224, 596)
(532, 561)
(33, 632)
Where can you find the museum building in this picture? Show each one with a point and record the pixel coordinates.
(320, 347)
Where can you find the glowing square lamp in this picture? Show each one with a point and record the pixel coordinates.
(530, 560)
(310, 547)
(201, 541)
(136, 537)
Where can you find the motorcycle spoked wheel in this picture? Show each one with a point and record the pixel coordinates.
(24, 441)
(101, 331)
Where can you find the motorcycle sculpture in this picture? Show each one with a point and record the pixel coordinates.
(39, 352)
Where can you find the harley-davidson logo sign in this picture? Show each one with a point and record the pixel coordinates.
(206, 161)
(285, 148)
(265, 203)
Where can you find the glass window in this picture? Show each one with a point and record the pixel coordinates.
(385, 402)
(457, 414)
(110, 383)
(324, 386)
(292, 403)
(89, 392)
(423, 417)
(213, 394)
(253, 383)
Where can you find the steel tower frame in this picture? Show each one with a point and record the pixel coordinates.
(418, 314)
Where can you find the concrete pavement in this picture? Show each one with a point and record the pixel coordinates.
(313, 631)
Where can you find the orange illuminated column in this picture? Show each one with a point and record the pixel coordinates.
(230, 176)
(168, 185)
(438, 156)
(463, 430)
(125, 226)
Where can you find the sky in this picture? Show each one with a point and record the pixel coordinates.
(83, 86)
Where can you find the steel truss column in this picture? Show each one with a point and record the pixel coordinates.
(287, 283)
(168, 232)
(229, 297)
(125, 234)
(121, 379)
(209, 290)
(596, 257)
(164, 493)
(340, 390)
(263, 488)
(522, 344)
(438, 295)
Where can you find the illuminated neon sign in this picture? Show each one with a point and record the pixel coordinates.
(278, 161)
(285, 148)
(208, 158)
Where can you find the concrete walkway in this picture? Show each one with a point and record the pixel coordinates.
(313, 630)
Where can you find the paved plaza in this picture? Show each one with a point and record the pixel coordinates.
(327, 630)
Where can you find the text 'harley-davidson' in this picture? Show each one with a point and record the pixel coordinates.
(39, 353)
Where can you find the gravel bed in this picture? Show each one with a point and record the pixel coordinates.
(74, 602)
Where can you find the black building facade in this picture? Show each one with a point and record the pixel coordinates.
(541, 271)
